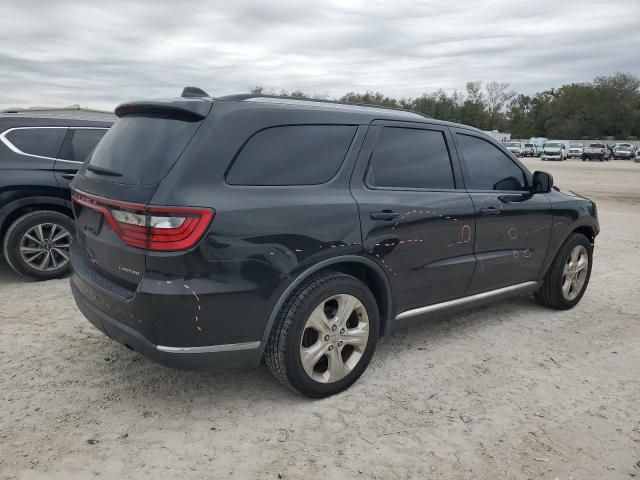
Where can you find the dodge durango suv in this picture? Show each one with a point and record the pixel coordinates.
(224, 232)
(39, 155)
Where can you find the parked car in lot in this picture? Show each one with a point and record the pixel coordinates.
(516, 148)
(555, 151)
(530, 150)
(539, 143)
(596, 151)
(576, 150)
(39, 156)
(218, 232)
(624, 151)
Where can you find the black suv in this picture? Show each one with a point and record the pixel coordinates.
(220, 232)
(39, 156)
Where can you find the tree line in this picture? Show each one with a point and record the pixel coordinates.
(608, 106)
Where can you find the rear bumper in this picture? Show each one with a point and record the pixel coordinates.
(238, 355)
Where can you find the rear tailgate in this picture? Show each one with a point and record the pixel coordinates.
(112, 190)
(594, 150)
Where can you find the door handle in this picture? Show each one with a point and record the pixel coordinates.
(490, 211)
(68, 176)
(385, 215)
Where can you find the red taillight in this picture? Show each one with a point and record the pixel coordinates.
(150, 227)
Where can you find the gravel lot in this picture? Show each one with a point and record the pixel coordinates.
(512, 390)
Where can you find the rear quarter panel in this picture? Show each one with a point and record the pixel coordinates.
(261, 237)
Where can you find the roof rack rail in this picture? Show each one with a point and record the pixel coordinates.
(252, 96)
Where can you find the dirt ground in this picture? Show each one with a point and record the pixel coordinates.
(512, 390)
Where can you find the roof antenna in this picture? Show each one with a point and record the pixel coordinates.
(194, 92)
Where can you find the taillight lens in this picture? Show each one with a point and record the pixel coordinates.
(150, 227)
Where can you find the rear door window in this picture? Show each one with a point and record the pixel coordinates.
(141, 149)
(292, 155)
(410, 158)
(42, 142)
(488, 168)
(80, 142)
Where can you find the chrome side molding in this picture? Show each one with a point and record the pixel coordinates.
(229, 347)
(463, 300)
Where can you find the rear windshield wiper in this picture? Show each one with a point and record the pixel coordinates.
(103, 171)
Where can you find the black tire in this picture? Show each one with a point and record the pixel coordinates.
(17, 230)
(550, 294)
(282, 354)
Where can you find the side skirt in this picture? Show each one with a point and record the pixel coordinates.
(407, 317)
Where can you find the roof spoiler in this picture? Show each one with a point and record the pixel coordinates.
(188, 109)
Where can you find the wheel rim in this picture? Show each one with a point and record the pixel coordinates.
(334, 338)
(45, 247)
(575, 271)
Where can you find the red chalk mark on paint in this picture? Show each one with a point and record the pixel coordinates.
(466, 234)
(198, 307)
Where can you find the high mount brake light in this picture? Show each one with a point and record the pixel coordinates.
(154, 228)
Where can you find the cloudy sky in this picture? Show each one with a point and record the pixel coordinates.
(101, 53)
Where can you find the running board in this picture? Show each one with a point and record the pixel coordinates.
(465, 300)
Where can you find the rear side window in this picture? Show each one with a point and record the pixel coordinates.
(292, 155)
(410, 158)
(488, 167)
(43, 142)
(80, 142)
(141, 149)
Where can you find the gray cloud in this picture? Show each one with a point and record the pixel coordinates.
(99, 54)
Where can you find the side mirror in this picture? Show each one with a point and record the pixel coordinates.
(542, 182)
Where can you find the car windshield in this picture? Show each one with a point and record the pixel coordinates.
(512, 144)
(597, 145)
(528, 144)
(624, 148)
(553, 145)
(577, 145)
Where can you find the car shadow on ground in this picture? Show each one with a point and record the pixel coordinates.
(8, 276)
(127, 371)
(258, 385)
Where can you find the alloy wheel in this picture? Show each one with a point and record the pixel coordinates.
(334, 339)
(45, 247)
(575, 272)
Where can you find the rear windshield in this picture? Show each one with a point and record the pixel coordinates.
(528, 144)
(141, 149)
(512, 145)
(597, 145)
(553, 145)
(576, 145)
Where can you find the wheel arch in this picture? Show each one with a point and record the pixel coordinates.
(587, 230)
(362, 268)
(586, 226)
(16, 209)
